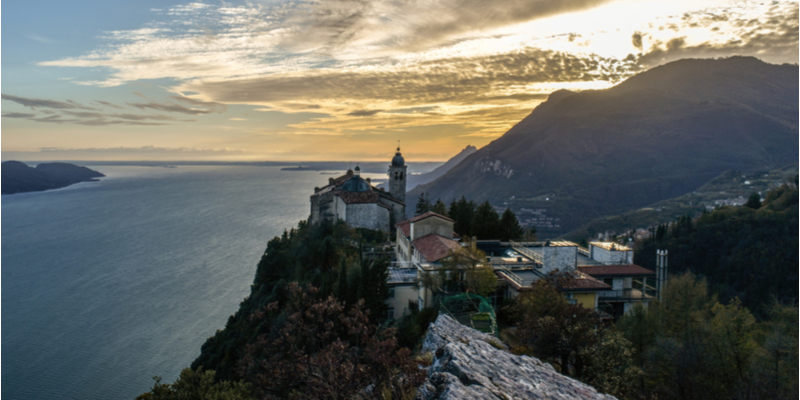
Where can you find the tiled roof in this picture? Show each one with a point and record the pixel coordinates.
(579, 281)
(405, 227)
(604, 271)
(358, 197)
(434, 247)
(428, 214)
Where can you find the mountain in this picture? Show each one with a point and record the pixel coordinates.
(416, 180)
(18, 177)
(658, 135)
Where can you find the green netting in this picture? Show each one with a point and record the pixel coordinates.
(471, 310)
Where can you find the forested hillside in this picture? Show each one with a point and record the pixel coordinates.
(748, 252)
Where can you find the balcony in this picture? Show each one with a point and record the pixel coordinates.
(624, 295)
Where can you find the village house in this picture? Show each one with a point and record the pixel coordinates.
(601, 277)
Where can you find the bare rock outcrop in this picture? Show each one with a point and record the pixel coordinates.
(468, 364)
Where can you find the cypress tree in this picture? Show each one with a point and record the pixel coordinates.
(343, 290)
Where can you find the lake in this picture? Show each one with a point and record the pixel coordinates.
(107, 284)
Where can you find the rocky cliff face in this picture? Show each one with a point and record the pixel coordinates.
(468, 364)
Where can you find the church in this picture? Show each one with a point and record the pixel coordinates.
(354, 200)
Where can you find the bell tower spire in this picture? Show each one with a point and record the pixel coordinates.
(397, 176)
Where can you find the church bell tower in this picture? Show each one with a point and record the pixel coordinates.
(397, 177)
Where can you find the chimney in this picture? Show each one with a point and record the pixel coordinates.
(330, 181)
(661, 273)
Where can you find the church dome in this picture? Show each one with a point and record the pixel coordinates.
(398, 160)
(356, 184)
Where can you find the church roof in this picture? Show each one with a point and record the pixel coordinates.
(434, 247)
(398, 160)
(358, 197)
(356, 184)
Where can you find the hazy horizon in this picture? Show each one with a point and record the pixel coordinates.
(292, 80)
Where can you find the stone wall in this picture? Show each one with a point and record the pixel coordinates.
(430, 225)
(368, 215)
(468, 364)
(562, 258)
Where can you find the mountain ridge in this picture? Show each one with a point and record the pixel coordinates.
(658, 135)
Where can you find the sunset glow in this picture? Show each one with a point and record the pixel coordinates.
(338, 80)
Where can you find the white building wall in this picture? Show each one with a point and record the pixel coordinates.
(562, 258)
(402, 295)
(610, 257)
(430, 225)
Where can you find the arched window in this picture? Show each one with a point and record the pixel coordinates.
(401, 175)
(395, 175)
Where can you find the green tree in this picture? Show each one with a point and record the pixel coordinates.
(469, 262)
(439, 207)
(461, 212)
(197, 385)
(486, 222)
(573, 338)
(509, 226)
(754, 201)
(423, 205)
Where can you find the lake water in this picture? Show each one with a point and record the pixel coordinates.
(106, 284)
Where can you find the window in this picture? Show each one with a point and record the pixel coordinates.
(389, 314)
(391, 293)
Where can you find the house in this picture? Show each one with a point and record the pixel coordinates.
(422, 243)
(354, 200)
(601, 277)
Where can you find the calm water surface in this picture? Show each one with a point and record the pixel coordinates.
(106, 284)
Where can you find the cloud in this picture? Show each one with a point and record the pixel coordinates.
(410, 25)
(65, 113)
(176, 108)
(771, 34)
(34, 103)
(636, 40)
(17, 115)
(364, 113)
(142, 149)
(107, 104)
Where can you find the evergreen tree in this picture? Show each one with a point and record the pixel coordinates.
(486, 222)
(423, 205)
(461, 212)
(439, 207)
(754, 201)
(509, 226)
(343, 289)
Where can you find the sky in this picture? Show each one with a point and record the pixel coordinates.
(327, 80)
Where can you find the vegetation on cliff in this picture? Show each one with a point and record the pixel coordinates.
(311, 326)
